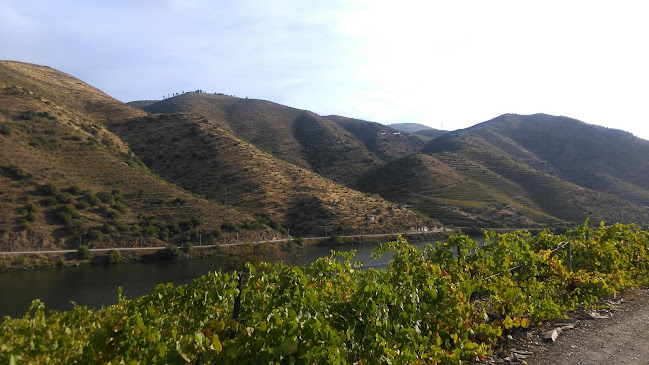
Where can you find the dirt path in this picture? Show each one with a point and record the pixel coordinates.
(620, 337)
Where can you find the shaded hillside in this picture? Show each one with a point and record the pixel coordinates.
(296, 136)
(202, 157)
(65, 180)
(521, 184)
(386, 143)
(141, 104)
(455, 191)
(603, 159)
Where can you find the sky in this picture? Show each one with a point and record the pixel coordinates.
(444, 64)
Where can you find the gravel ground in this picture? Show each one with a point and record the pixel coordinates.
(618, 335)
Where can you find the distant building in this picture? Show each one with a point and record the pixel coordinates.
(370, 218)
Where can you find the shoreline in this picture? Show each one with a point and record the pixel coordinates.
(43, 260)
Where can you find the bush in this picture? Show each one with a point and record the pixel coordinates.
(74, 190)
(62, 217)
(83, 252)
(50, 201)
(113, 257)
(92, 199)
(95, 234)
(30, 216)
(49, 189)
(64, 198)
(75, 228)
(171, 252)
(23, 224)
(106, 198)
(32, 207)
(5, 129)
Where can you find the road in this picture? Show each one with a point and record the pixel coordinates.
(205, 246)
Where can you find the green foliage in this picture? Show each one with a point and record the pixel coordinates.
(83, 252)
(105, 197)
(5, 129)
(171, 252)
(16, 173)
(446, 303)
(95, 234)
(113, 257)
(49, 189)
(49, 201)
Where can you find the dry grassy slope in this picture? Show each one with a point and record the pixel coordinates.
(386, 143)
(65, 91)
(296, 136)
(199, 155)
(44, 135)
(547, 192)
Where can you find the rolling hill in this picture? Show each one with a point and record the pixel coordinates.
(79, 166)
(527, 170)
(197, 154)
(65, 179)
(296, 136)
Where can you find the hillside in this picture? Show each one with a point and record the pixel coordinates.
(199, 155)
(599, 158)
(296, 136)
(386, 143)
(66, 180)
(522, 171)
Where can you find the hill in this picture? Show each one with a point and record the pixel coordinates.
(386, 143)
(201, 156)
(523, 170)
(410, 127)
(296, 136)
(67, 180)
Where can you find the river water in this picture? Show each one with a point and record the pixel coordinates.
(96, 285)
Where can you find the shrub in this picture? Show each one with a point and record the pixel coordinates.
(68, 208)
(64, 198)
(74, 190)
(32, 207)
(171, 252)
(95, 234)
(49, 189)
(30, 216)
(50, 201)
(91, 198)
(83, 252)
(23, 224)
(105, 197)
(75, 228)
(121, 207)
(113, 257)
(5, 129)
(62, 217)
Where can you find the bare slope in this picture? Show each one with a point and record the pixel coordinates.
(296, 136)
(199, 155)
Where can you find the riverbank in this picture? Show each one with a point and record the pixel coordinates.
(240, 252)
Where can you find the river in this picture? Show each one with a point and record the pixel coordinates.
(96, 285)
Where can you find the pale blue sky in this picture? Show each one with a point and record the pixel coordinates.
(450, 63)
